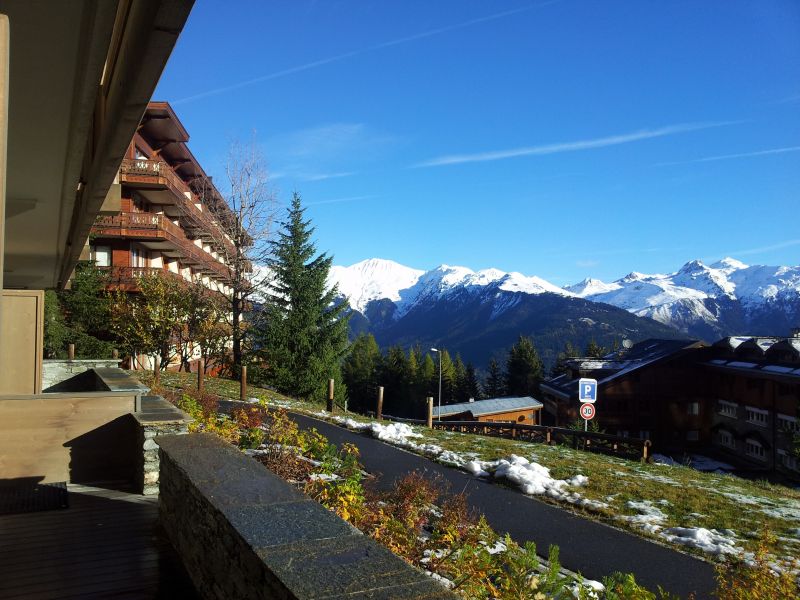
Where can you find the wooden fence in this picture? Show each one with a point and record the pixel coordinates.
(625, 447)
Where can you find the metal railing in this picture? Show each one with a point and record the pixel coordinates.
(631, 448)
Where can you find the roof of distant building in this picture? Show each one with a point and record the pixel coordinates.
(617, 364)
(489, 407)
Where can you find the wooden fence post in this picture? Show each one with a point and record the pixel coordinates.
(379, 411)
(156, 369)
(71, 352)
(201, 375)
(115, 354)
(243, 384)
(645, 449)
(330, 396)
(430, 412)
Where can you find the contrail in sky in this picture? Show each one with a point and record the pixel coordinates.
(613, 140)
(729, 156)
(352, 53)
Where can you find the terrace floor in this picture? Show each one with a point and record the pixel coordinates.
(106, 544)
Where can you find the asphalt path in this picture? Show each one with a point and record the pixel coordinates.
(585, 546)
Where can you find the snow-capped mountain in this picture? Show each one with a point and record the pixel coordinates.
(726, 297)
(705, 301)
(478, 313)
(378, 279)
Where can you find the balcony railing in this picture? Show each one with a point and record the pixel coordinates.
(159, 228)
(154, 172)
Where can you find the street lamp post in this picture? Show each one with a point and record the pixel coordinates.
(439, 352)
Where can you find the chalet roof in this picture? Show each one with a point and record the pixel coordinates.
(489, 407)
(616, 365)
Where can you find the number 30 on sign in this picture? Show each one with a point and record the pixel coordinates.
(587, 411)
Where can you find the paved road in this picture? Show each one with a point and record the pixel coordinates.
(592, 548)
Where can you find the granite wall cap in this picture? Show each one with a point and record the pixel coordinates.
(118, 380)
(339, 566)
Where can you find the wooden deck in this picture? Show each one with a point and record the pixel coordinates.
(106, 544)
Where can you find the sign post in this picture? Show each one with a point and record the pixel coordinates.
(587, 394)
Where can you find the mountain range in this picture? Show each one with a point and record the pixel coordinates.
(481, 313)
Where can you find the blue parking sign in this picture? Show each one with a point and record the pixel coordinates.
(587, 390)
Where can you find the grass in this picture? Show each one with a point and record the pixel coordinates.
(688, 498)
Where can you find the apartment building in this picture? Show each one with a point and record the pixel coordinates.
(168, 210)
(756, 401)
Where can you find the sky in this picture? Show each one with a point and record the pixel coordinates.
(561, 138)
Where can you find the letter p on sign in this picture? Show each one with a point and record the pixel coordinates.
(587, 390)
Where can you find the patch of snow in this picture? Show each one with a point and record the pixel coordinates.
(649, 517)
(711, 541)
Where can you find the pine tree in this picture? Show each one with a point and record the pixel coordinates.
(304, 333)
(393, 377)
(523, 369)
(595, 350)
(360, 372)
(495, 386)
(560, 366)
(461, 393)
(473, 386)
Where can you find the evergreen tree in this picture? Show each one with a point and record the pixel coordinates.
(473, 386)
(461, 392)
(448, 379)
(560, 366)
(495, 386)
(303, 336)
(595, 350)
(393, 377)
(360, 372)
(523, 369)
(427, 378)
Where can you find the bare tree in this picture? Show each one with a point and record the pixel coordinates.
(244, 214)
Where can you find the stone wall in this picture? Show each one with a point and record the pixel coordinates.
(242, 532)
(156, 417)
(55, 371)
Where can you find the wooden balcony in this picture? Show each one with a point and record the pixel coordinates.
(147, 174)
(159, 233)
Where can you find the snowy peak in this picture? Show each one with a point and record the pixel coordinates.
(729, 264)
(377, 279)
(591, 287)
(372, 279)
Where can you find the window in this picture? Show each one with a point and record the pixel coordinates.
(644, 434)
(789, 460)
(755, 384)
(725, 438)
(756, 416)
(101, 255)
(727, 409)
(623, 433)
(692, 435)
(788, 424)
(693, 408)
(755, 449)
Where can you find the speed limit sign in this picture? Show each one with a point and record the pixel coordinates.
(587, 411)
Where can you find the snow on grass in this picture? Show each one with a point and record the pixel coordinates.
(710, 541)
(651, 519)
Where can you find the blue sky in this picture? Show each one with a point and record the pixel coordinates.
(562, 139)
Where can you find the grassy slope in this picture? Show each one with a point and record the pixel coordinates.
(688, 498)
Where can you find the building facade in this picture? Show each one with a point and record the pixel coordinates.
(738, 399)
(756, 393)
(523, 410)
(168, 211)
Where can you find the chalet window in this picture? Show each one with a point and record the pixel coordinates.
(756, 416)
(725, 438)
(727, 409)
(755, 449)
(644, 434)
(789, 460)
(692, 435)
(101, 255)
(788, 424)
(623, 433)
(693, 408)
